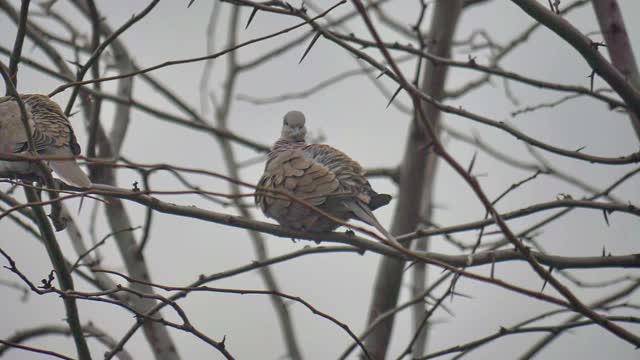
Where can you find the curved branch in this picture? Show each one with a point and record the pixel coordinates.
(43, 330)
(35, 350)
(586, 48)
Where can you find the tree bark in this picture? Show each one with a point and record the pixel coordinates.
(416, 179)
(615, 35)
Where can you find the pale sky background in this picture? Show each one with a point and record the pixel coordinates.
(353, 118)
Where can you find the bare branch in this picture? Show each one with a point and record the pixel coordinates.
(586, 48)
(619, 46)
(44, 330)
(17, 45)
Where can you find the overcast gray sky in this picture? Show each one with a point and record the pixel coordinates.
(352, 117)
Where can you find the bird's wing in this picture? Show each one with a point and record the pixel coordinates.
(320, 175)
(349, 173)
(53, 126)
(351, 177)
(53, 135)
(13, 136)
(292, 172)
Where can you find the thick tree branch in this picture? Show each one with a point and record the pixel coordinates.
(619, 46)
(587, 49)
(472, 182)
(62, 271)
(17, 45)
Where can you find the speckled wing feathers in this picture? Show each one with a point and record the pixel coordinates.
(319, 174)
(52, 125)
(52, 134)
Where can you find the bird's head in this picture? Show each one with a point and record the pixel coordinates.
(293, 128)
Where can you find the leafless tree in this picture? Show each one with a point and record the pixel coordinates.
(519, 223)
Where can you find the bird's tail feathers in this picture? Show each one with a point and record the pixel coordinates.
(363, 213)
(70, 172)
(378, 200)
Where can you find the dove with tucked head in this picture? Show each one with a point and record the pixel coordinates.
(51, 132)
(319, 174)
